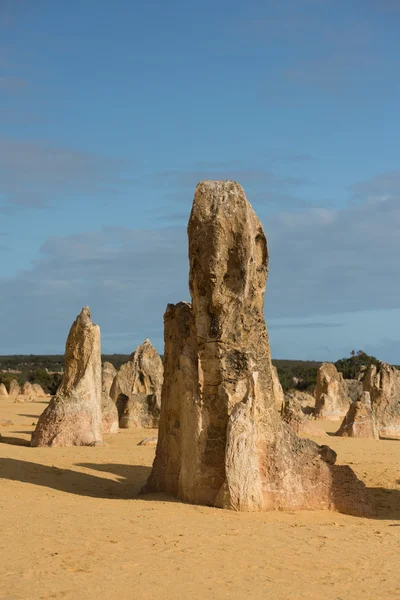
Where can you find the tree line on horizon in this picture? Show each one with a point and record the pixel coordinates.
(46, 370)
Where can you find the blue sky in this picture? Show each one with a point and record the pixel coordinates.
(110, 114)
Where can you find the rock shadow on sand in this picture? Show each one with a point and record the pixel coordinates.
(385, 502)
(132, 478)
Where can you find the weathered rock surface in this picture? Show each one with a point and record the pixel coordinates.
(14, 388)
(109, 412)
(136, 389)
(73, 417)
(354, 389)
(3, 390)
(27, 389)
(306, 401)
(332, 400)
(6, 422)
(108, 375)
(293, 414)
(277, 387)
(221, 440)
(360, 420)
(383, 384)
(38, 391)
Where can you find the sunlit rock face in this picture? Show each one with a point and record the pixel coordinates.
(360, 420)
(136, 389)
(73, 417)
(221, 440)
(383, 384)
(332, 400)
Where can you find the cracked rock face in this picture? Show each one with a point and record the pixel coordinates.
(73, 417)
(383, 385)
(136, 389)
(221, 440)
(332, 400)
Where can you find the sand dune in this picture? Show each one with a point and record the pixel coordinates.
(72, 526)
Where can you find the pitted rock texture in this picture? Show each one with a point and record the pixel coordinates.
(360, 420)
(3, 390)
(383, 384)
(136, 389)
(221, 440)
(332, 400)
(73, 417)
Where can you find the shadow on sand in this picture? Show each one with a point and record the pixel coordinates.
(131, 478)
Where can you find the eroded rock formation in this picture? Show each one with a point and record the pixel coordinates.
(38, 391)
(109, 413)
(383, 384)
(27, 389)
(107, 376)
(73, 417)
(221, 440)
(14, 388)
(332, 400)
(299, 419)
(360, 419)
(136, 389)
(3, 390)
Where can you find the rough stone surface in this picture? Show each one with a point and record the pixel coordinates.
(38, 391)
(27, 389)
(109, 412)
(360, 419)
(277, 387)
(354, 389)
(293, 414)
(108, 375)
(14, 388)
(3, 390)
(383, 384)
(332, 400)
(221, 440)
(136, 389)
(73, 417)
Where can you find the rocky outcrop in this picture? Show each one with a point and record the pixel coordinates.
(332, 400)
(108, 375)
(14, 388)
(109, 412)
(149, 441)
(38, 391)
(221, 440)
(73, 417)
(295, 415)
(3, 390)
(136, 389)
(383, 384)
(360, 420)
(354, 389)
(27, 389)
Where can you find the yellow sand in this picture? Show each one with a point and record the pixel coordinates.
(73, 526)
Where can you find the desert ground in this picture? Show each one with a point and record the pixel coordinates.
(74, 526)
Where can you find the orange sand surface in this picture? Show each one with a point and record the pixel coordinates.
(73, 526)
